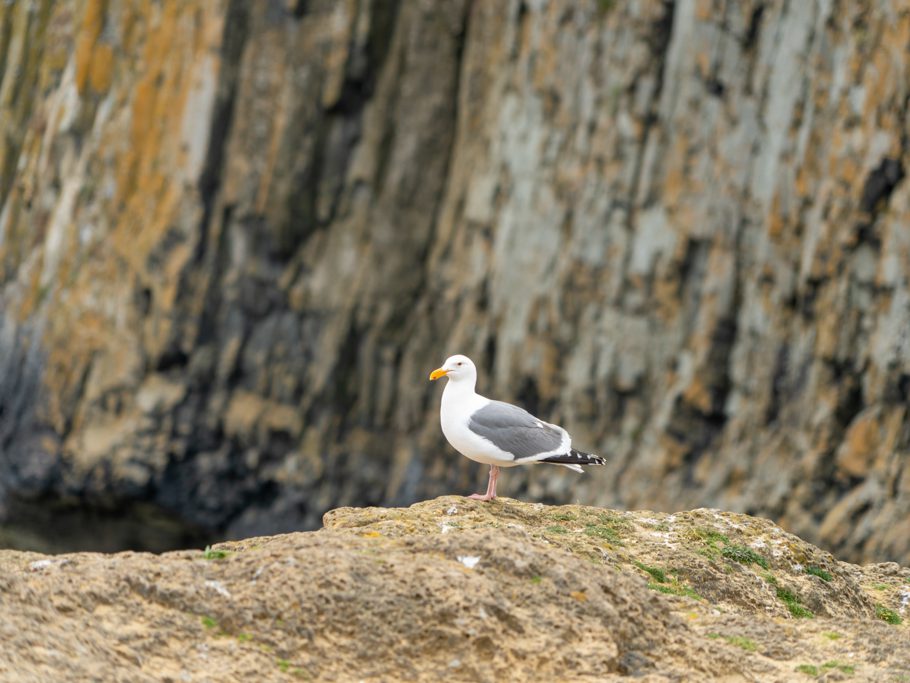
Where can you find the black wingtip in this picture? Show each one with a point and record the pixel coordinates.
(574, 457)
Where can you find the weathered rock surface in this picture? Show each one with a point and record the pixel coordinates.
(235, 236)
(452, 589)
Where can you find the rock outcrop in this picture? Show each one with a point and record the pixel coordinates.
(235, 236)
(453, 589)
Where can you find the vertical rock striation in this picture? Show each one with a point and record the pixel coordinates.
(234, 236)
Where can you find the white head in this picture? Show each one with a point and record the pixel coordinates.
(457, 368)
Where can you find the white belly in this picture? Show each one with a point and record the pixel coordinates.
(454, 415)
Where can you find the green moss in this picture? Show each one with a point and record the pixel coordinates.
(657, 574)
(284, 664)
(881, 586)
(808, 669)
(674, 589)
(556, 529)
(744, 555)
(819, 572)
(536, 579)
(208, 622)
(790, 599)
(711, 537)
(244, 637)
(604, 532)
(746, 644)
(210, 554)
(832, 635)
(770, 578)
(887, 615)
(563, 516)
(843, 668)
(742, 642)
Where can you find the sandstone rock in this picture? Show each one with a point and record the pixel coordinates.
(452, 589)
(679, 228)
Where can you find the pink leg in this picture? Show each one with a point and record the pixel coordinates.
(491, 486)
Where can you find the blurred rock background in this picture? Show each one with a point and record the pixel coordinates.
(236, 235)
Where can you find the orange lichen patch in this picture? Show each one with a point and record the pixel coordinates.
(676, 180)
(92, 23)
(776, 219)
(102, 68)
(860, 444)
(698, 395)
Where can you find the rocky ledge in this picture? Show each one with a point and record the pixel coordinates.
(452, 589)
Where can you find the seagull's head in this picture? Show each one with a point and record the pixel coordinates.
(456, 368)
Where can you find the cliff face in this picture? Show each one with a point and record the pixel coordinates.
(234, 237)
(463, 591)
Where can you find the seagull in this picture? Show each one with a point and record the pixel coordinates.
(499, 434)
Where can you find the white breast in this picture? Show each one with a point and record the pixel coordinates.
(459, 402)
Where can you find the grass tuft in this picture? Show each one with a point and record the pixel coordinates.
(711, 539)
(809, 669)
(604, 532)
(556, 529)
(674, 589)
(746, 644)
(744, 555)
(887, 615)
(563, 516)
(657, 574)
(819, 572)
(211, 554)
(790, 599)
(843, 668)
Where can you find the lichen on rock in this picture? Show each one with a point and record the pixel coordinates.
(453, 589)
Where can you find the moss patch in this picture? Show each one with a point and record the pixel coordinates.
(563, 516)
(843, 668)
(741, 642)
(744, 555)
(602, 531)
(887, 615)
(657, 574)
(790, 599)
(674, 589)
(819, 572)
(211, 554)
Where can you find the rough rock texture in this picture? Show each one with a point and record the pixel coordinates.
(234, 237)
(452, 589)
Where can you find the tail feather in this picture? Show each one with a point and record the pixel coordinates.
(576, 458)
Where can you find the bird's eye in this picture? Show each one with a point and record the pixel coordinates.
(459, 363)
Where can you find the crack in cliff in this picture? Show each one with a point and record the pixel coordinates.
(338, 131)
(660, 40)
(236, 34)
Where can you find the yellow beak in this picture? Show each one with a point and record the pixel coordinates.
(438, 372)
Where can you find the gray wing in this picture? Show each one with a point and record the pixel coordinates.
(515, 430)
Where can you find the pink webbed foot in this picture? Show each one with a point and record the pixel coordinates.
(491, 487)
